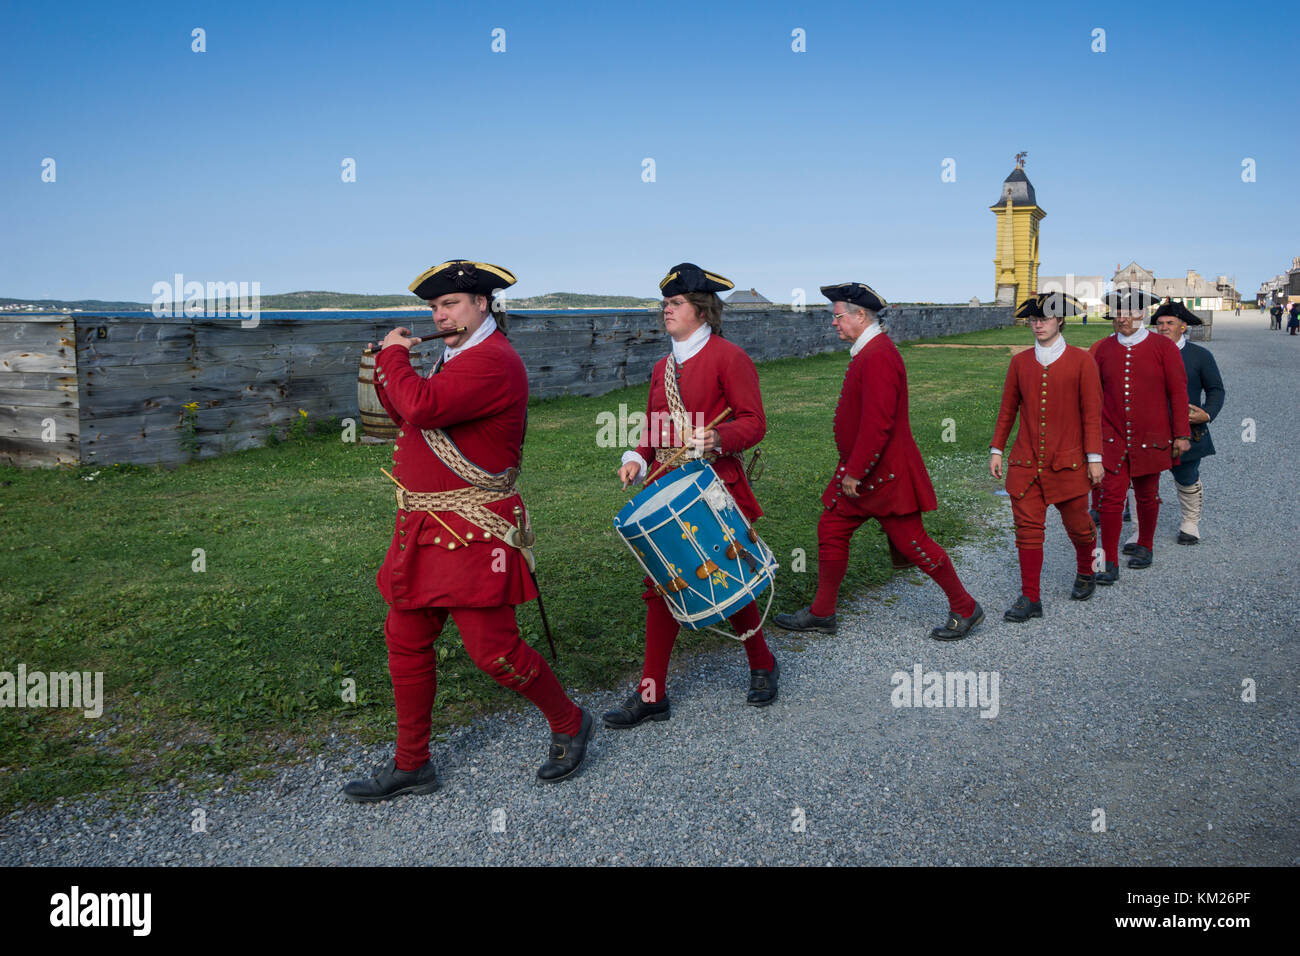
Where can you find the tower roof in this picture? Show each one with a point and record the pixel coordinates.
(1018, 187)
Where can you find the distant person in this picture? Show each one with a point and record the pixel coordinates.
(880, 475)
(1205, 395)
(1275, 317)
(1144, 425)
(1056, 392)
(1294, 322)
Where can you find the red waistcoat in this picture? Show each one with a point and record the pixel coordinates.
(1144, 403)
(874, 438)
(1060, 424)
(480, 400)
(718, 376)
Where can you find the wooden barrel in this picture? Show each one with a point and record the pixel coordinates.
(374, 420)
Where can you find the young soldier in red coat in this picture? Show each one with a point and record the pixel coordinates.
(1056, 393)
(459, 440)
(710, 375)
(1144, 426)
(880, 473)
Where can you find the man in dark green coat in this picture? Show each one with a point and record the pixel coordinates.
(1205, 396)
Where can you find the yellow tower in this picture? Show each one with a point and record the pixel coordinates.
(1015, 264)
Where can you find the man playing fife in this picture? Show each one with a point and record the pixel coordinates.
(702, 377)
(880, 473)
(1205, 395)
(1144, 425)
(1056, 393)
(456, 549)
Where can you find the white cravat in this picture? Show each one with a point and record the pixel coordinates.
(1135, 339)
(682, 351)
(688, 349)
(1182, 340)
(869, 333)
(1046, 356)
(482, 332)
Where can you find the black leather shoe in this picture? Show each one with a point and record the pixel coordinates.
(1185, 538)
(762, 686)
(958, 627)
(389, 782)
(634, 711)
(1129, 548)
(1084, 586)
(1110, 575)
(1023, 610)
(567, 752)
(804, 620)
(1141, 557)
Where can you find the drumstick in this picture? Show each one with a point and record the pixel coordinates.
(671, 462)
(434, 513)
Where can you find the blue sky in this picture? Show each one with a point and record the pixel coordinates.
(775, 168)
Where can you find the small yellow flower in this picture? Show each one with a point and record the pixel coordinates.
(302, 412)
(192, 406)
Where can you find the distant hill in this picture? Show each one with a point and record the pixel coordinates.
(307, 301)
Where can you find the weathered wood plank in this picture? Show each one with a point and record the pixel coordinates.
(61, 360)
(28, 422)
(38, 380)
(33, 397)
(42, 337)
(33, 453)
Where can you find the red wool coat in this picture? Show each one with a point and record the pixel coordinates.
(874, 438)
(480, 400)
(718, 376)
(1060, 424)
(1144, 403)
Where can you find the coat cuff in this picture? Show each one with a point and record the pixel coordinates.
(634, 456)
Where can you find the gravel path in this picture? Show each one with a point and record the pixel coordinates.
(1129, 704)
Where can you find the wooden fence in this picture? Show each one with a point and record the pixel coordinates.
(96, 390)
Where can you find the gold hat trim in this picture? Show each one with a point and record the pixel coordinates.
(505, 275)
(707, 274)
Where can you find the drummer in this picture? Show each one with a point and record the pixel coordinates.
(704, 375)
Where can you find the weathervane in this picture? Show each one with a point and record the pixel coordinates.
(1020, 160)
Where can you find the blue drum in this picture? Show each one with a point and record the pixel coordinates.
(697, 546)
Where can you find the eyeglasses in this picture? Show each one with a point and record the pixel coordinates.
(839, 315)
(1039, 319)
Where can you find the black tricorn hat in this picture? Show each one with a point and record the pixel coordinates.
(856, 293)
(688, 277)
(461, 275)
(1130, 299)
(1052, 305)
(1178, 311)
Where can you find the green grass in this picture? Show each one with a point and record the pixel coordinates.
(207, 674)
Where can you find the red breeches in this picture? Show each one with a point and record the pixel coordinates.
(661, 634)
(491, 639)
(907, 539)
(1146, 494)
(1030, 514)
